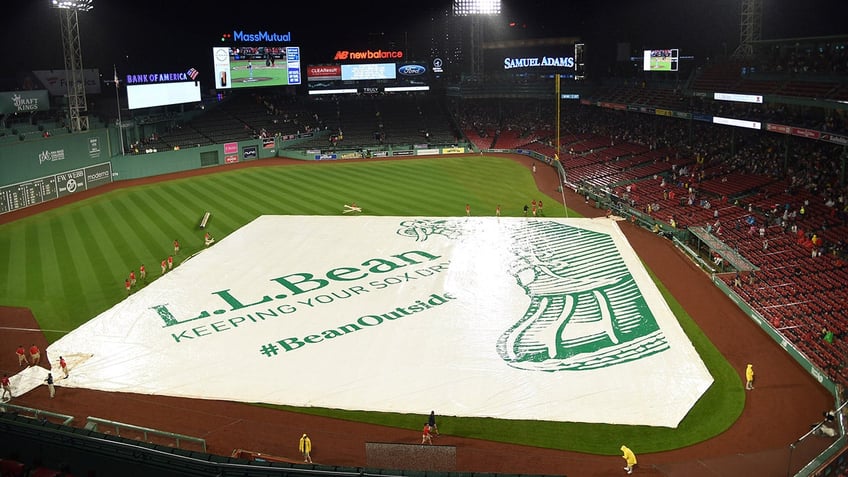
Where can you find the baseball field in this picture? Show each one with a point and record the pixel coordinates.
(66, 262)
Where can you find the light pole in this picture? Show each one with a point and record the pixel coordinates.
(476, 10)
(117, 82)
(69, 21)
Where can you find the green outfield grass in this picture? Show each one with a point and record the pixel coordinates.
(262, 75)
(69, 264)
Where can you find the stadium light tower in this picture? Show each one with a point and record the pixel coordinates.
(476, 10)
(751, 28)
(69, 22)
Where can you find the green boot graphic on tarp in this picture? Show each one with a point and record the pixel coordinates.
(586, 310)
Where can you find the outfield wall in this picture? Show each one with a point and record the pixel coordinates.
(27, 160)
(32, 172)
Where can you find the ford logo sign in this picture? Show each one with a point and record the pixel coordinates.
(412, 70)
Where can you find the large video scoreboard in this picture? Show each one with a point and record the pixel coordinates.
(246, 66)
(367, 78)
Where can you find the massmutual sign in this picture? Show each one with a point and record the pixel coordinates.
(261, 36)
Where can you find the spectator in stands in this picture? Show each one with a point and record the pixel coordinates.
(827, 335)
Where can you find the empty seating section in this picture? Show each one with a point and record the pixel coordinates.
(808, 89)
(480, 139)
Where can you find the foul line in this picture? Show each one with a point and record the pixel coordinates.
(31, 329)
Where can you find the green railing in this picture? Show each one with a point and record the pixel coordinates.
(94, 424)
(37, 414)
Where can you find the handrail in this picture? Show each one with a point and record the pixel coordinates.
(93, 422)
(36, 413)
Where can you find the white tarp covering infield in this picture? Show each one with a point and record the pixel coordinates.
(511, 318)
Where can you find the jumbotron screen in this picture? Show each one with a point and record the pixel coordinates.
(660, 60)
(256, 66)
(368, 78)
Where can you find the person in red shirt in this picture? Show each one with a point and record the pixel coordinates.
(498, 211)
(128, 285)
(132, 278)
(164, 266)
(425, 436)
(7, 387)
(34, 354)
(142, 272)
(22, 359)
(64, 366)
(170, 262)
(467, 209)
(176, 247)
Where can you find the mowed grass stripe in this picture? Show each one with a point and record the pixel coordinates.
(388, 188)
(308, 191)
(191, 239)
(32, 275)
(255, 195)
(6, 233)
(229, 209)
(138, 217)
(16, 272)
(216, 199)
(165, 221)
(95, 251)
(304, 191)
(76, 270)
(106, 220)
(50, 263)
(182, 206)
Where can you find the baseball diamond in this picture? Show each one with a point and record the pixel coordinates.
(228, 425)
(602, 320)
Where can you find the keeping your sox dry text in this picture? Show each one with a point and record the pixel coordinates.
(260, 314)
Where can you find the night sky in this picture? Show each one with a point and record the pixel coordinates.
(172, 36)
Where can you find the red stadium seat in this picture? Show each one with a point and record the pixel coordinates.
(11, 468)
